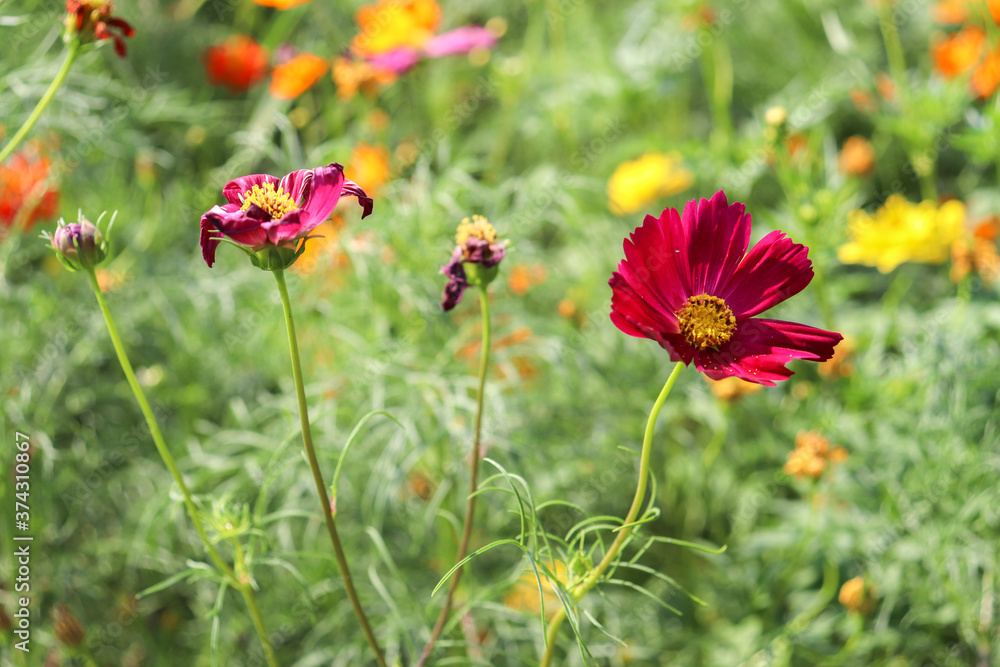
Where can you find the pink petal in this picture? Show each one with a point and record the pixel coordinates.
(352, 189)
(634, 315)
(234, 223)
(287, 228)
(209, 242)
(238, 186)
(321, 195)
(774, 270)
(718, 236)
(295, 183)
(398, 60)
(460, 40)
(760, 348)
(655, 262)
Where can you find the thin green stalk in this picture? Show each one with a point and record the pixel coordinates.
(717, 71)
(246, 589)
(893, 47)
(923, 166)
(168, 460)
(470, 509)
(928, 190)
(714, 446)
(324, 498)
(594, 576)
(72, 52)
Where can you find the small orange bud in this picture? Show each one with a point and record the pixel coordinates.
(732, 389)
(566, 308)
(858, 596)
(857, 157)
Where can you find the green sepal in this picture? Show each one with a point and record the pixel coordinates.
(478, 275)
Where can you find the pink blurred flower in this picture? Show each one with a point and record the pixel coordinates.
(395, 35)
(454, 42)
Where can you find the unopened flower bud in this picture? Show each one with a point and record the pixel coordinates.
(858, 595)
(79, 244)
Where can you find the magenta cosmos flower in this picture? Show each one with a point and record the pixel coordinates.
(688, 282)
(265, 212)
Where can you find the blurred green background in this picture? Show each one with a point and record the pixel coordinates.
(527, 137)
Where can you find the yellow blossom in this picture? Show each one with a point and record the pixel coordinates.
(902, 231)
(638, 183)
(391, 24)
(524, 596)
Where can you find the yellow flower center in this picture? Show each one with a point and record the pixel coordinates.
(706, 321)
(275, 201)
(478, 227)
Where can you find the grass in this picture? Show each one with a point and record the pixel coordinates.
(527, 139)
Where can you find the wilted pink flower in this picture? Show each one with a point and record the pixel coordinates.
(474, 260)
(264, 211)
(689, 283)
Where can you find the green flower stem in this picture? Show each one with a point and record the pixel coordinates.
(897, 66)
(324, 498)
(470, 509)
(714, 446)
(717, 70)
(928, 191)
(168, 460)
(246, 589)
(71, 54)
(893, 47)
(594, 576)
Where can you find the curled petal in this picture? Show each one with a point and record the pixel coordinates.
(296, 184)
(457, 283)
(453, 291)
(352, 189)
(321, 194)
(480, 251)
(238, 186)
(236, 224)
(209, 241)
